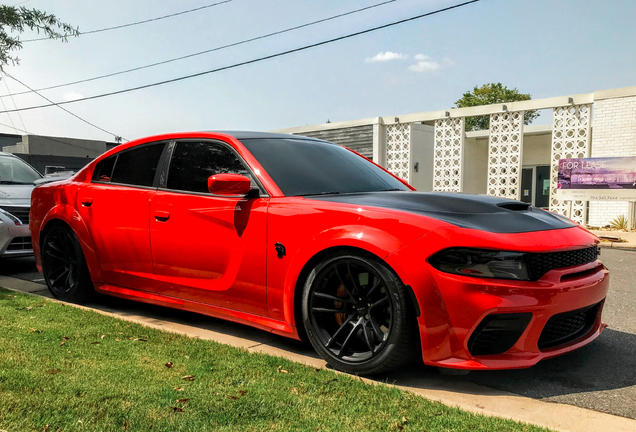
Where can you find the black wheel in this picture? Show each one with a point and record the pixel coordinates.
(357, 316)
(64, 266)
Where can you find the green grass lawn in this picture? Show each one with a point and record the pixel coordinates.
(63, 368)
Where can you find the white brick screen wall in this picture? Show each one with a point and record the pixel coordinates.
(505, 149)
(398, 149)
(614, 134)
(570, 139)
(449, 152)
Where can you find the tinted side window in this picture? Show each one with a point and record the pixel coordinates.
(304, 167)
(104, 169)
(193, 162)
(137, 166)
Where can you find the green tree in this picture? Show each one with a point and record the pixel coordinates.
(489, 94)
(15, 20)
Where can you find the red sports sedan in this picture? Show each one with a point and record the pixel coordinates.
(308, 239)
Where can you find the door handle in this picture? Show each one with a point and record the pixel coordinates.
(162, 216)
(86, 202)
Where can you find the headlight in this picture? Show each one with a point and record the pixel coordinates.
(10, 216)
(482, 263)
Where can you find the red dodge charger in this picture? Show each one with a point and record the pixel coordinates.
(308, 239)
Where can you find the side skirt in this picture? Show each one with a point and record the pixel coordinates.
(260, 322)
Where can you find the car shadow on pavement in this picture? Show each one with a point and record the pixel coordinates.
(608, 363)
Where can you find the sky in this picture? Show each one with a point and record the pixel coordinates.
(543, 47)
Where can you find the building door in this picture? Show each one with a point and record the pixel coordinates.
(542, 186)
(526, 184)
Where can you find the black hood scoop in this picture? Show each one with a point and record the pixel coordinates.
(485, 213)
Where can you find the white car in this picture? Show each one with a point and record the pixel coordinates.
(17, 180)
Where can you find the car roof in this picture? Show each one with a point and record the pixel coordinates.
(240, 135)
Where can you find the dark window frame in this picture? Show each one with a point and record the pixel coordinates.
(160, 165)
(165, 170)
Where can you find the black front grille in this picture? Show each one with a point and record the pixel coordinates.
(497, 333)
(568, 326)
(21, 213)
(541, 263)
(20, 243)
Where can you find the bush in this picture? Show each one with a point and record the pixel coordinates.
(620, 223)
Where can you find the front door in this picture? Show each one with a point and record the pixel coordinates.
(542, 187)
(115, 209)
(206, 248)
(526, 185)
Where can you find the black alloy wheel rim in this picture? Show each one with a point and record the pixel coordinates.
(59, 261)
(351, 310)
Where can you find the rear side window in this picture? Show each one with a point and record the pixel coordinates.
(135, 167)
(104, 169)
(193, 162)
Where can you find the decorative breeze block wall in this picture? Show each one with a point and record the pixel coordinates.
(504, 154)
(570, 139)
(398, 149)
(448, 155)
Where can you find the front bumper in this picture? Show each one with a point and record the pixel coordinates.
(453, 306)
(474, 299)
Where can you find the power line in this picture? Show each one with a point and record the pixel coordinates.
(137, 22)
(12, 100)
(51, 138)
(14, 128)
(9, 115)
(64, 109)
(212, 49)
(271, 56)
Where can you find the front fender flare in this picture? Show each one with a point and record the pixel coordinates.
(372, 240)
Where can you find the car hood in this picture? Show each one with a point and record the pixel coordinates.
(16, 195)
(485, 213)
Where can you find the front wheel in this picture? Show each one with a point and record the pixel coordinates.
(64, 266)
(357, 316)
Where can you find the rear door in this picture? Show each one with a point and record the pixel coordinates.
(115, 207)
(206, 248)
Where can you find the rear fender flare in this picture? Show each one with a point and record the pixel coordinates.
(70, 216)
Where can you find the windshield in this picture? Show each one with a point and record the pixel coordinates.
(15, 171)
(304, 167)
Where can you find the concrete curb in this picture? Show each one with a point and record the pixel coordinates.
(621, 246)
(466, 396)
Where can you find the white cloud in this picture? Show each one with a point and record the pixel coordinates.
(448, 62)
(72, 96)
(426, 64)
(385, 56)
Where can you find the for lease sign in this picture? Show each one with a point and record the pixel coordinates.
(608, 178)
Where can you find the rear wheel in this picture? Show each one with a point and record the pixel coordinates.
(64, 266)
(357, 316)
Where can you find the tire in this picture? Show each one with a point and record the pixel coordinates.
(64, 266)
(362, 325)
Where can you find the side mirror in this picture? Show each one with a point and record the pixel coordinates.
(229, 184)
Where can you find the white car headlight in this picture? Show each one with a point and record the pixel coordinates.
(10, 216)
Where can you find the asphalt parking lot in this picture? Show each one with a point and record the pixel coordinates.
(600, 376)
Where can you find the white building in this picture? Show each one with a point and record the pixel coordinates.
(433, 153)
